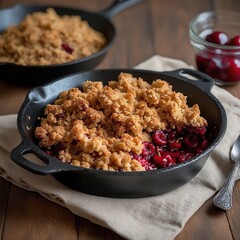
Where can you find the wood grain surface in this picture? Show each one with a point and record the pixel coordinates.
(148, 28)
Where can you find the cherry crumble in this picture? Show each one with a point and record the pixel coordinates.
(127, 125)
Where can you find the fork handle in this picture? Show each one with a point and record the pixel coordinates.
(223, 199)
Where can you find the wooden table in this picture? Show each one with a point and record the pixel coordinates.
(151, 27)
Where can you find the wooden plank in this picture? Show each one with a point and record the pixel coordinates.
(207, 223)
(89, 231)
(4, 192)
(170, 21)
(8, 95)
(127, 52)
(30, 216)
(233, 5)
(234, 213)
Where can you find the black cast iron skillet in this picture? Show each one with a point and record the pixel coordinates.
(38, 75)
(119, 184)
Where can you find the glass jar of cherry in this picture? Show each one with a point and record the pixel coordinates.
(215, 37)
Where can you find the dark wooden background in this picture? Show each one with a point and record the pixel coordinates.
(148, 28)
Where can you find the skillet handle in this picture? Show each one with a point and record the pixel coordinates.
(198, 78)
(118, 6)
(51, 165)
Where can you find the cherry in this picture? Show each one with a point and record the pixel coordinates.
(198, 130)
(235, 41)
(163, 161)
(148, 149)
(204, 144)
(159, 138)
(185, 156)
(136, 156)
(174, 154)
(67, 48)
(57, 148)
(144, 160)
(233, 70)
(223, 67)
(190, 140)
(147, 164)
(60, 115)
(206, 64)
(217, 37)
(172, 135)
(174, 144)
(215, 67)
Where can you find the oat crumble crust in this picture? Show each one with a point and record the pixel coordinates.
(39, 39)
(99, 125)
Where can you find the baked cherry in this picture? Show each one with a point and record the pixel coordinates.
(144, 160)
(163, 161)
(174, 144)
(67, 48)
(185, 156)
(159, 138)
(148, 149)
(198, 130)
(175, 154)
(204, 144)
(147, 164)
(217, 37)
(190, 140)
(172, 135)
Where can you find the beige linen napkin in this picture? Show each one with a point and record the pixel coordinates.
(142, 218)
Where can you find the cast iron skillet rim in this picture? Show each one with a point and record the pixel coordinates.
(80, 60)
(71, 168)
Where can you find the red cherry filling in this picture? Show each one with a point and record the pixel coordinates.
(171, 146)
(190, 140)
(174, 144)
(148, 149)
(159, 138)
(145, 161)
(148, 165)
(163, 161)
(55, 150)
(185, 156)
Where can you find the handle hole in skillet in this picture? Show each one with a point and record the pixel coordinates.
(188, 76)
(195, 75)
(32, 158)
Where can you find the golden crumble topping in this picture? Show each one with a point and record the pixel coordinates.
(99, 126)
(45, 38)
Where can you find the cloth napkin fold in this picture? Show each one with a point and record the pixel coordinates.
(142, 218)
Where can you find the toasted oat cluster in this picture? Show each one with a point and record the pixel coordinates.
(102, 127)
(45, 38)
